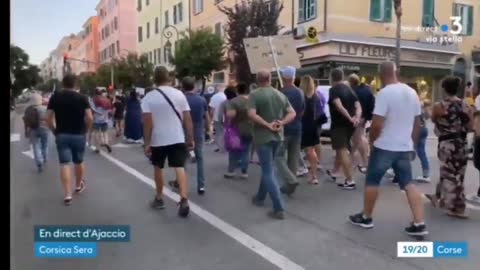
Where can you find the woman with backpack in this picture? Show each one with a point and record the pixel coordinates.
(36, 129)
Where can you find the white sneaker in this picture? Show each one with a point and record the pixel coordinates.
(473, 198)
(302, 172)
(423, 179)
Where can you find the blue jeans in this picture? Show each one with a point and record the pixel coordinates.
(382, 160)
(39, 140)
(421, 153)
(240, 159)
(198, 150)
(70, 147)
(269, 183)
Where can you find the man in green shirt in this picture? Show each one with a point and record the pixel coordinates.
(269, 110)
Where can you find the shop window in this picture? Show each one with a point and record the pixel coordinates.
(465, 12)
(428, 18)
(307, 10)
(381, 10)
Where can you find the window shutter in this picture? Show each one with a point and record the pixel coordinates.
(175, 14)
(428, 13)
(470, 21)
(313, 9)
(375, 10)
(388, 10)
(180, 12)
(301, 10)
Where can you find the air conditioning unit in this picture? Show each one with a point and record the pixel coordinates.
(299, 32)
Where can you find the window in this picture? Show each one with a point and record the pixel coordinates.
(218, 29)
(167, 52)
(156, 25)
(112, 26)
(154, 57)
(180, 12)
(428, 17)
(103, 34)
(307, 10)
(466, 13)
(115, 23)
(140, 34)
(381, 10)
(113, 49)
(219, 77)
(107, 31)
(166, 18)
(198, 6)
(147, 2)
(139, 5)
(150, 57)
(175, 14)
(159, 55)
(118, 46)
(148, 30)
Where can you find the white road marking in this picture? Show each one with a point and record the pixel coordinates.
(122, 145)
(14, 137)
(246, 240)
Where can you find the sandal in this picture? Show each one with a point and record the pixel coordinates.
(67, 201)
(457, 215)
(313, 181)
(362, 169)
(433, 199)
(81, 188)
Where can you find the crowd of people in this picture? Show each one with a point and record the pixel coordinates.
(374, 133)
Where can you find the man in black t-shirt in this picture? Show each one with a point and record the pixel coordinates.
(69, 117)
(345, 113)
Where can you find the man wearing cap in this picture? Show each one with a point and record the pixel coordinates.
(288, 165)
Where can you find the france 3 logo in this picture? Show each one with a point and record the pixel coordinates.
(449, 35)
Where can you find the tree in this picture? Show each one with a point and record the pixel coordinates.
(199, 54)
(87, 82)
(129, 71)
(48, 86)
(25, 74)
(249, 19)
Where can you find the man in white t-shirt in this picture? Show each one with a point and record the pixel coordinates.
(215, 103)
(166, 115)
(395, 128)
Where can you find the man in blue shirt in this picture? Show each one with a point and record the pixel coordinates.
(288, 165)
(201, 120)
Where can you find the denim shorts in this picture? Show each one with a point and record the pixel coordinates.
(103, 127)
(382, 160)
(70, 147)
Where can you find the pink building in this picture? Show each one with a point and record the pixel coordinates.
(87, 50)
(117, 29)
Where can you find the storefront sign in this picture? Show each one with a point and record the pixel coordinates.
(364, 50)
(349, 67)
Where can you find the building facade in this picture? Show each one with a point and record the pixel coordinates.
(66, 46)
(358, 36)
(85, 56)
(161, 24)
(117, 28)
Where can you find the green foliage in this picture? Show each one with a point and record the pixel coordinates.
(250, 19)
(49, 85)
(87, 82)
(129, 71)
(25, 74)
(199, 54)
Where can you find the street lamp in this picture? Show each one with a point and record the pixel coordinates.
(167, 32)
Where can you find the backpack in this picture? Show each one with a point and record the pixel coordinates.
(32, 117)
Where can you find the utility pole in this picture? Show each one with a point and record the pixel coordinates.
(398, 14)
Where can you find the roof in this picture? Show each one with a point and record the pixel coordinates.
(382, 41)
(85, 24)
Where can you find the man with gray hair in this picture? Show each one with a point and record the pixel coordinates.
(270, 111)
(395, 130)
(287, 166)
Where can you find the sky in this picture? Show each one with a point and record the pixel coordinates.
(38, 25)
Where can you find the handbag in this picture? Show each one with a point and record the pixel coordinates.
(233, 141)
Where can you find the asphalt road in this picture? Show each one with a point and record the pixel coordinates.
(224, 232)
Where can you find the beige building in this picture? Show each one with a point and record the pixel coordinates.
(359, 35)
(160, 24)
